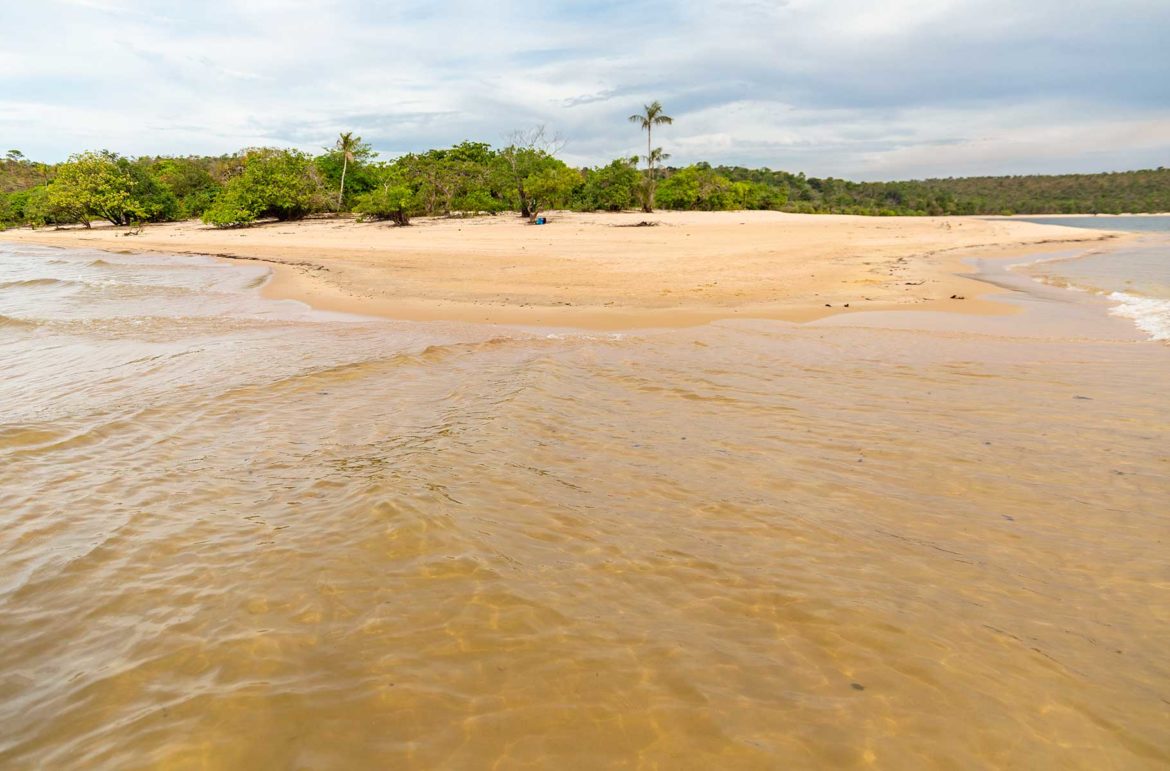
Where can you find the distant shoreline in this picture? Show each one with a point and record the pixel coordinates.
(602, 271)
(1080, 216)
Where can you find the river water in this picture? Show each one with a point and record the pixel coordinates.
(1136, 278)
(237, 533)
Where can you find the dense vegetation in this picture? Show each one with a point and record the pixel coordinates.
(1114, 193)
(525, 177)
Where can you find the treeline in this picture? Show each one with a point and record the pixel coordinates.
(525, 177)
(1112, 193)
(268, 183)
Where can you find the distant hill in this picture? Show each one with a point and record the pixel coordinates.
(16, 173)
(1145, 191)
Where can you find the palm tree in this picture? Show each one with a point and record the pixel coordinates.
(657, 156)
(653, 116)
(347, 144)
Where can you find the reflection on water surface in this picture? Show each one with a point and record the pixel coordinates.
(237, 534)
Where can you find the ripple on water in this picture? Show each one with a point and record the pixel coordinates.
(292, 542)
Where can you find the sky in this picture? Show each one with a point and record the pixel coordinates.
(856, 89)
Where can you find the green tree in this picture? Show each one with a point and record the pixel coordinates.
(393, 199)
(527, 154)
(41, 208)
(611, 188)
(651, 116)
(11, 209)
(281, 184)
(550, 187)
(111, 187)
(349, 150)
(697, 187)
(189, 180)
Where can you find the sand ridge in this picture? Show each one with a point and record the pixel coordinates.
(610, 271)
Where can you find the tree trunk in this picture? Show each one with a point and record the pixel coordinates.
(341, 192)
(525, 205)
(648, 201)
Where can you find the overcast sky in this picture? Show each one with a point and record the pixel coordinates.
(861, 89)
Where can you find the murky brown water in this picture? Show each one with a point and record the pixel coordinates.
(239, 535)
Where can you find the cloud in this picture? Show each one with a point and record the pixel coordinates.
(832, 87)
(600, 96)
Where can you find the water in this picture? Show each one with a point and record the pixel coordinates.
(1128, 224)
(240, 534)
(1135, 278)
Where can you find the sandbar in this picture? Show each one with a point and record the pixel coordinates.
(611, 270)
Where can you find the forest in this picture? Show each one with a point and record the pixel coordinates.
(525, 177)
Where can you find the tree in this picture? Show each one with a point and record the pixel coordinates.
(651, 116)
(551, 186)
(189, 180)
(40, 209)
(111, 187)
(528, 153)
(351, 149)
(697, 187)
(612, 187)
(393, 199)
(274, 183)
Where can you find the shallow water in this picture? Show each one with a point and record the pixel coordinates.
(240, 534)
(1135, 278)
(1158, 223)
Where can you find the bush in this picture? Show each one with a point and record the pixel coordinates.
(696, 187)
(551, 187)
(475, 201)
(42, 208)
(280, 184)
(389, 202)
(11, 212)
(611, 188)
(110, 187)
(189, 180)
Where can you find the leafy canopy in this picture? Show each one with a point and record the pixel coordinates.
(281, 184)
(107, 186)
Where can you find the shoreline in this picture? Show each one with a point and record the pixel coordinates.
(605, 272)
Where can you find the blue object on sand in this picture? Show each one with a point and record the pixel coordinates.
(541, 220)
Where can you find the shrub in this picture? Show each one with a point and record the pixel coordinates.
(110, 187)
(611, 188)
(696, 187)
(389, 202)
(280, 184)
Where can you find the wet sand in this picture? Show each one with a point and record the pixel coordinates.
(601, 271)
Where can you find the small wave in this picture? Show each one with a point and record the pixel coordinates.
(100, 264)
(1149, 314)
(36, 282)
(10, 323)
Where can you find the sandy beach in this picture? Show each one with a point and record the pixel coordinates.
(605, 271)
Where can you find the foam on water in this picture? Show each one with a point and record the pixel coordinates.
(1149, 314)
(1134, 275)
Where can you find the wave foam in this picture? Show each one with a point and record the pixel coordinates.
(1149, 314)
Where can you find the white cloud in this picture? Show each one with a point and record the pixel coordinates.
(842, 87)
